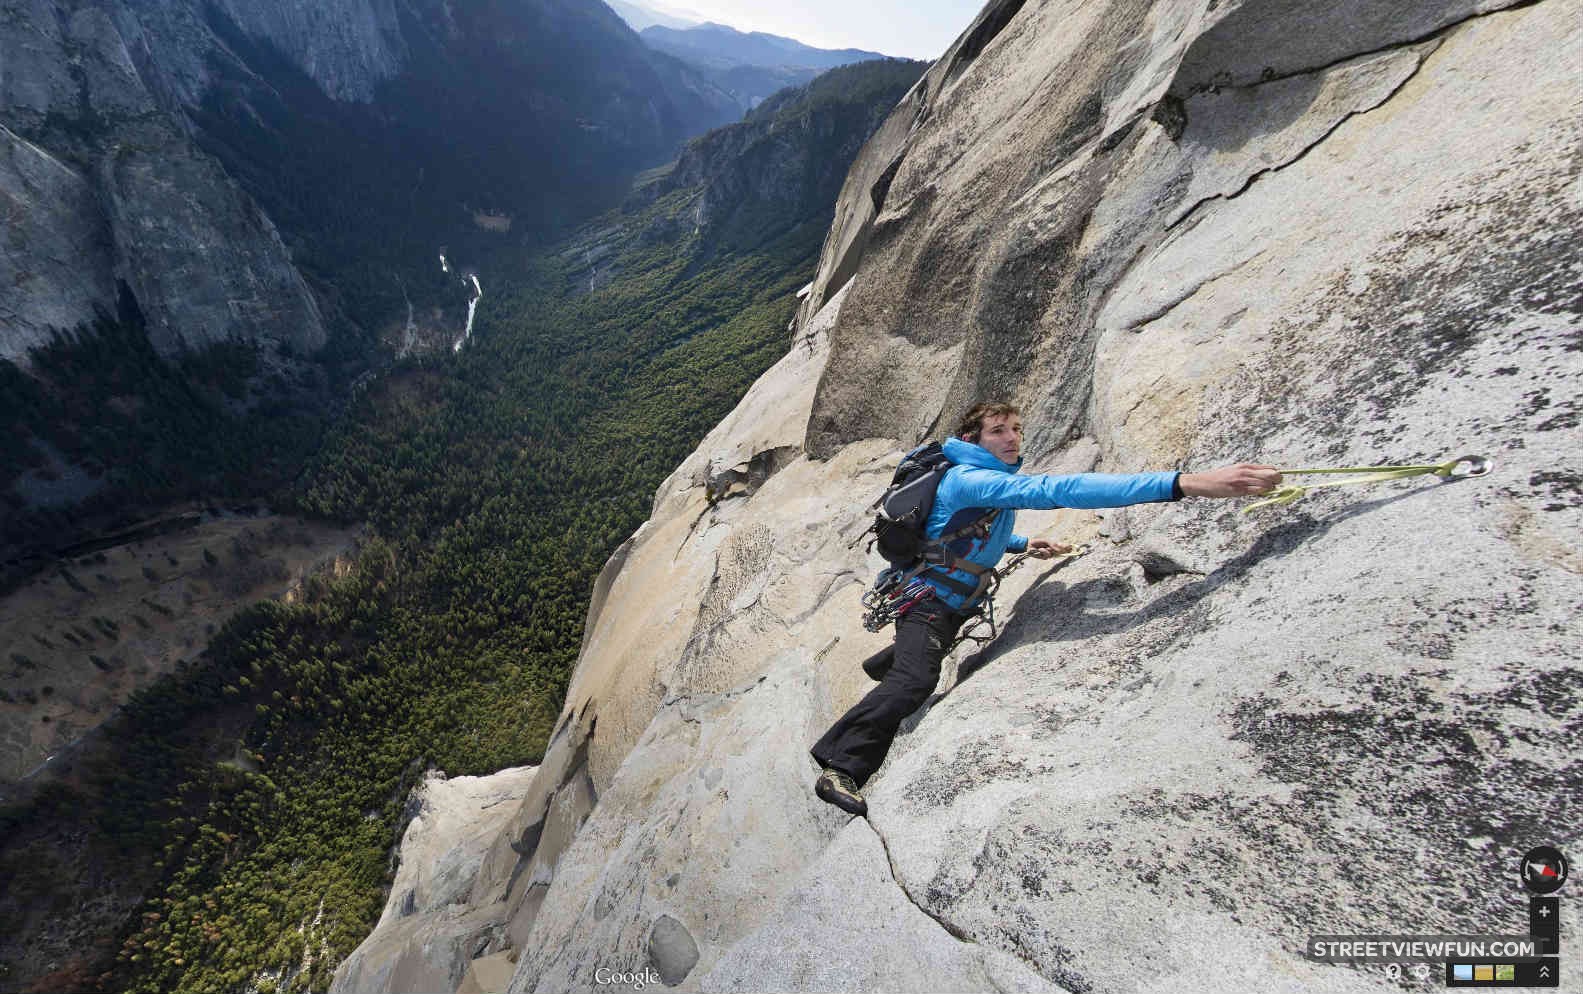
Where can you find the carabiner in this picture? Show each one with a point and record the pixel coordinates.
(1476, 466)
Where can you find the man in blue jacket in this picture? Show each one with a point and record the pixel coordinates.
(986, 454)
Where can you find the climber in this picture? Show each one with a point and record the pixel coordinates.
(986, 454)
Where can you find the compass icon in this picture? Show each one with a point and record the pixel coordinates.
(1544, 870)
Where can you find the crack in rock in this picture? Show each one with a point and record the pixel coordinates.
(692, 529)
(830, 590)
(951, 929)
(1320, 140)
(1186, 294)
(1431, 40)
(1201, 84)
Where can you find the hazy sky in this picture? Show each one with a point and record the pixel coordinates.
(919, 29)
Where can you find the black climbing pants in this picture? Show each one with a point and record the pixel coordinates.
(857, 743)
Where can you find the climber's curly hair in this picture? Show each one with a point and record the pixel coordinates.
(973, 420)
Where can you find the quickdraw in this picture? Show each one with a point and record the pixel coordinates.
(1023, 557)
(985, 616)
(895, 592)
(1476, 466)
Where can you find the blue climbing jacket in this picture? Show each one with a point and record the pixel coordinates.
(978, 482)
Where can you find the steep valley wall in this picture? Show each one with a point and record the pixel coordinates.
(148, 152)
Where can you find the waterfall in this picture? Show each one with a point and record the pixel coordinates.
(472, 308)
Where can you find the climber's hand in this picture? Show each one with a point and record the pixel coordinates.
(1040, 549)
(1232, 481)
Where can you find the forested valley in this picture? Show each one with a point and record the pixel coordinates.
(233, 823)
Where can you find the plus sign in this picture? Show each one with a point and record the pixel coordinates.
(1544, 912)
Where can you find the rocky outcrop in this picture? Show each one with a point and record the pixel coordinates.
(203, 262)
(786, 161)
(1179, 234)
(452, 824)
(347, 47)
(738, 188)
(112, 209)
(56, 251)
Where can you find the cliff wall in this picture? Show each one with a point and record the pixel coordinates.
(111, 208)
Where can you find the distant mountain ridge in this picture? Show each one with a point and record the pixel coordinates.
(750, 66)
(343, 119)
(639, 17)
(711, 42)
(786, 159)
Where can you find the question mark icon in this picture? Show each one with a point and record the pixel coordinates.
(1393, 971)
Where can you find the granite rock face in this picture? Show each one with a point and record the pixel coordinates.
(1179, 234)
(786, 161)
(453, 825)
(204, 263)
(346, 47)
(56, 252)
(113, 210)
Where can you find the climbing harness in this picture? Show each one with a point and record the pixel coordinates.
(897, 591)
(986, 611)
(1476, 466)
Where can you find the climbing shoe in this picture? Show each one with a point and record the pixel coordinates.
(835, 787)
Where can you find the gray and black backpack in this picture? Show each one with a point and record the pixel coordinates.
(903, 511)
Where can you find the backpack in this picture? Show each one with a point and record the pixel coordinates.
(898, 530)
(903, 510)
(905, 505)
